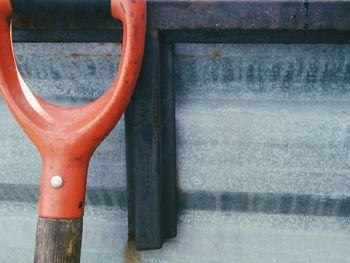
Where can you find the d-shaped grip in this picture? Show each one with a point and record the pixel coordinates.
(66, 137)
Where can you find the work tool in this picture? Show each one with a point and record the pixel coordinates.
(66, 137)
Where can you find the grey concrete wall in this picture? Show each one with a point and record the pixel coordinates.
(263, 167)
(265, 118)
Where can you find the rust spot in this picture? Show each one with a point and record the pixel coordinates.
(154, 33)
(76, 55)
(80, 206)
(215, 53)
(78, 158)
(306, 10)
(121, 4)
(8, 20)
(188, 55)
(130, 253)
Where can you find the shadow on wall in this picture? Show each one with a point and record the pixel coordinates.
(268, 203)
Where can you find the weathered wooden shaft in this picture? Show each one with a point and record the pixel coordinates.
(58, 241)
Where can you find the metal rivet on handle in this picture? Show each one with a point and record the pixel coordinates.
(56, 181)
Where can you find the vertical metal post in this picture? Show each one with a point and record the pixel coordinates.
(143, 141)
(168, 140)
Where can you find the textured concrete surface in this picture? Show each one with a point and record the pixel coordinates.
(265, 118)
(74, 71)
(263, 71)
(204, 236)
(263, 163)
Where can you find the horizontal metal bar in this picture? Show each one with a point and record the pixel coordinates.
(253, 14)
(207, 14)
(198, 21)
(62, 9)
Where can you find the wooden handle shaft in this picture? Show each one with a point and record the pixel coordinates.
(58, 241)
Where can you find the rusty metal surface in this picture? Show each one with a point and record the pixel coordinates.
(41, 14)
(224, 14)
(65, 9)
(210, 17)
(240, 14)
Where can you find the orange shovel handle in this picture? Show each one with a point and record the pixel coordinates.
(66, 137)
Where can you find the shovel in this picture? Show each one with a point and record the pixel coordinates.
(66, 137)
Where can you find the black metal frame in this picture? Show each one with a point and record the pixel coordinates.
(150, 118)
